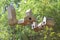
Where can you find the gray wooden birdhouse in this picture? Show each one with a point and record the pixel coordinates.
(11, 15)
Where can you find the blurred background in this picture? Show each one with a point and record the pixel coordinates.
(40, 8)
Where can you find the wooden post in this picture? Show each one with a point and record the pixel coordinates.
(13, 28)
(12, 20)
(11, 15)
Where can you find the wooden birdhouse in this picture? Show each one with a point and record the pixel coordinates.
(29, 17)
(29, 12)
(11, 15)
(50, 22)
(35, 27)
(40, 26)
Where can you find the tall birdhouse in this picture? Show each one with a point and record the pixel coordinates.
(11, 15)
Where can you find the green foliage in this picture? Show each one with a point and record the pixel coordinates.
(40, 8)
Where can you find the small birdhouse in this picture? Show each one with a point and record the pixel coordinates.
(50, 22)
(35, 27)
(11, 15)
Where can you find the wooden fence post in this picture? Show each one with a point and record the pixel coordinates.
(12, 20)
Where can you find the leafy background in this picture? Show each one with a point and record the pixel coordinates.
(40, 8)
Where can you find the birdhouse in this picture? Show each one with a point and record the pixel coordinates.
(29, 18)
(35, 27)
(11, 15)
(41, 25)
(50, 22)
